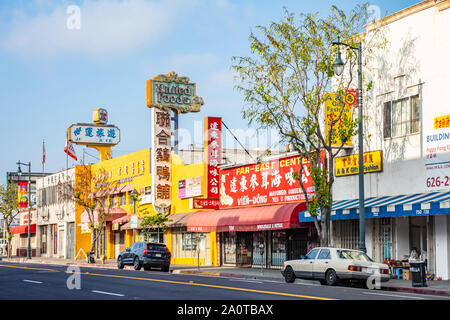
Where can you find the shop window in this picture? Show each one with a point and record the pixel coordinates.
(188, 241)
(278, 245)
(229, 241)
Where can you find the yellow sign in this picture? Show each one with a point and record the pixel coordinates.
(333, 106)
(442, 122)
(348, 165)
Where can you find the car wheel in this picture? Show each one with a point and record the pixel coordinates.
(289, 275)
(137, 264)
(147, 268)
(330, 277)
(120, 263)
(165, 269)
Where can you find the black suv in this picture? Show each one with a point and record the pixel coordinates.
(147, 255)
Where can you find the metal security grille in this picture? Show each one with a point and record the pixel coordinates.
(244, 250)
(346, 233)
(296, 243)
(382, 235)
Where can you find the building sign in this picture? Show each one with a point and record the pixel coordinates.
(134, 221)
(437, 161)
(190, 187)
(160, 155)
(442, 122)
(270, 182)
(172, 92)
(93, 134)
(24, 218)
(204, 203)
(212, 154)
(349, 165)
(333, 106)
(100, 116)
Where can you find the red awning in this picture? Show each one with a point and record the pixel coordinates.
(23, 229)
(112, 214)
(123, 219)
(271, 217)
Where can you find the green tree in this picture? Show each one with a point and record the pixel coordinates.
(9, 208)
(284, 83)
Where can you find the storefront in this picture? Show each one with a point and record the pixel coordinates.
(257, 236)
(395, 225)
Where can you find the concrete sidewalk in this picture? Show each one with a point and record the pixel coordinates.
(434, 287)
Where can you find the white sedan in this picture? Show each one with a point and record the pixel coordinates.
(330, 265)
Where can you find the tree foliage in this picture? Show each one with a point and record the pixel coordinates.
(284, 83)
(9, 208)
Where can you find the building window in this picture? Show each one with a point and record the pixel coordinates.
(401, 117)
(188, 241)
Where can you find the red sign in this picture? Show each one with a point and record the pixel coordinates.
(205, 203)
(213, 155)
(22, 193)
(270, 182)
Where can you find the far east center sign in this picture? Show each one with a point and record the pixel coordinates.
(270, 182)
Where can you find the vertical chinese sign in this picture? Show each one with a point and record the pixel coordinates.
(213, 154)
(161, 147)
(22, 194)
(166, 93)
(333, 108)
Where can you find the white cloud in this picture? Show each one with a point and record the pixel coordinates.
(107, 27)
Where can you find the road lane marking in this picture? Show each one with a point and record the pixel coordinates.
(394, 295)
(108, 293)
(32, 281)
(251, 281)
(28, 268)
(212, 286)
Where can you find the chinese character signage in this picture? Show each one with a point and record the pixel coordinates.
(160, 160)
(100, 116)
(442, 122)
(173, 92)
(94, 134)
(349, 165)
(437, 161)
(213, 154)
(333, 106)
(190, 187)
(270, 182)
(204, 203)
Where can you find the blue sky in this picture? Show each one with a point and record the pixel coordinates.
(52, 77)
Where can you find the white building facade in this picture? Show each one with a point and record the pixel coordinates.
(407, 117)
(56, 216)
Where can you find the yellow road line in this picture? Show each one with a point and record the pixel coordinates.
(29, 268)
(213, 286)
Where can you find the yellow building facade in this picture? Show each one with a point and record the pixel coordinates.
(131, 172)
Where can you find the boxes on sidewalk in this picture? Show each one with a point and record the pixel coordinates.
(406, 274)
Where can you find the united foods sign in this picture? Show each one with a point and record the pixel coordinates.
(173, 92)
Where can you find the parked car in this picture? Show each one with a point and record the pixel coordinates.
(331, 265)
(147, 255)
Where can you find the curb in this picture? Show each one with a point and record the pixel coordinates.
(444, 293)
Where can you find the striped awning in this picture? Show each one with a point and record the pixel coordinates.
(419, 204)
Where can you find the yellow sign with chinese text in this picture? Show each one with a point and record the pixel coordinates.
(348, 165)
(442, 122)
(333, 107)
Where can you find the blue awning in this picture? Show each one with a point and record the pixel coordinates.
(419, 204)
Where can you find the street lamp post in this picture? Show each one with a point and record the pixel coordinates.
(29, 204)
(338, 67)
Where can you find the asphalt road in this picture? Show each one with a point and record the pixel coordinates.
(50, 282)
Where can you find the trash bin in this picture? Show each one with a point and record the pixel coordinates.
(418, 274)
(90, 257)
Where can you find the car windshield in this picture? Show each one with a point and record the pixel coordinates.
(353, 255)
